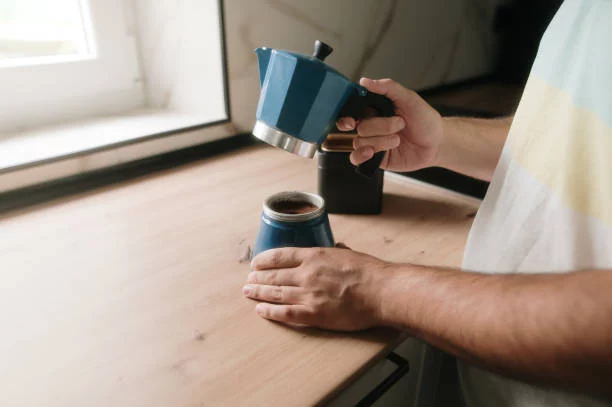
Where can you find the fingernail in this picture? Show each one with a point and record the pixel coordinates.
(400, 122)
(346, 124)
(247, 290)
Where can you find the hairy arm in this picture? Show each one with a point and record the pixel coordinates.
(473, 146)
(550, 329)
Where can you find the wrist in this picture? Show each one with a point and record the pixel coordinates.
(384, 283)
(400, 290)
(446, 148)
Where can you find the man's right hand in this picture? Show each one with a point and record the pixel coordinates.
(412, 138)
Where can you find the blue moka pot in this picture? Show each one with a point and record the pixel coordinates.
(302, 97)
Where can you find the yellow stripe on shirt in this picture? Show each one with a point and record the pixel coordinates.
(567, 148)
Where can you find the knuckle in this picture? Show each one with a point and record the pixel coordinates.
(315, 252)
(363, 129)
(289, 313)
(270, 277)
(390, 141)
(317, 295)
(317, 307)
(314, 310)
(311, 278)
(277, 294)
(314, 276)
(409, 94)
(275, 258)
(390, 125)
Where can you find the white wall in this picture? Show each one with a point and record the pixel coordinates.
(180, 55)
(418, 43)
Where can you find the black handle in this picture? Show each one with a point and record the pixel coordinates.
(355, 107)
(400, 371)
(321, 50)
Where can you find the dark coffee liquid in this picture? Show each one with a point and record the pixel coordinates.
(293, 207)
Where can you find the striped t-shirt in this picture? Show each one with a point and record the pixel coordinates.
(549, 205)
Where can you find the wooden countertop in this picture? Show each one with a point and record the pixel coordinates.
(131, 295)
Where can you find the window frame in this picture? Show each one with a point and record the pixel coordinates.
(154, 143)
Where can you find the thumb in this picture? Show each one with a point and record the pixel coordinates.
(387, 87)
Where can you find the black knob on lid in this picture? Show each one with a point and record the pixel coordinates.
(321, 50)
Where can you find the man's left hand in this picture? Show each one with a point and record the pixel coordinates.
(328, 288)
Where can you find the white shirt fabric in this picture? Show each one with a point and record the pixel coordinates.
(549, 205)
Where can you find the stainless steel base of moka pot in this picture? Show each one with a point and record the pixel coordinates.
(283, 140)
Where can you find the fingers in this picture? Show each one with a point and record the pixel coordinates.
(286, 277)
(286, 257)
(346, 124)
(380, 126)
(361, 155)
(273, 293)
(380, 143)
(293, 314)
(366, 147)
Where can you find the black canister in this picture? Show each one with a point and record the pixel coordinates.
(345, 190)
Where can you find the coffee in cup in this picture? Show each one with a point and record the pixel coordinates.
(293, 219)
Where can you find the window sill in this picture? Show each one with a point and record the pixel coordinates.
(55, 152)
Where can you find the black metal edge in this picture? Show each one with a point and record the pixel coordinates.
(451, 180)
(64, 187)
(400, 371)
(223, 34)
(154, 135)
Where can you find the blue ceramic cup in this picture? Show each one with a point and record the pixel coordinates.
(293, 219)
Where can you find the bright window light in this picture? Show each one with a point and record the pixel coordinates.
(81, 75)
(41, 31)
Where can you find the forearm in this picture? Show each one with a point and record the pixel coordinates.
(548, 329)
(473, 146)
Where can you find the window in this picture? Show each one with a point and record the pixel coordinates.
(81, 75)
(65, 59)
(31, 32)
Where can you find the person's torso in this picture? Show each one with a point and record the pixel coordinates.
(549, 205)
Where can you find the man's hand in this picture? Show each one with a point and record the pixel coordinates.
(330, 288)
(417, 137)
(412, 137)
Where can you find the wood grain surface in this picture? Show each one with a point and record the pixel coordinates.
(131, 295)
